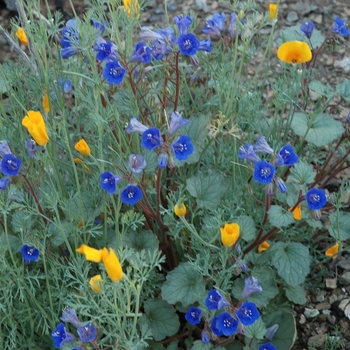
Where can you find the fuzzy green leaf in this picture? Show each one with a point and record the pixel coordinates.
(139, 241)
(184, 285)
(322, 131)
(280, 217)
(296, 294)
(247, 225)
(21, 221)
(207, 188)
(343, 89)
(256, 330)
(292, 261)
(294, 33)
(319, 88)
(302, 173)
(162, 317)
(340, 225)
(199, 345)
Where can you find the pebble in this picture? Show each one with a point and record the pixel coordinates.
(311, 313)
(331, 283)
(343, 304)
(333, 298)
(344, 64)
(344, 264)
(292, 16)
(317, 341)
(158, 10)
(318, 19)
(347, 311)
(345, 278)
(172, 7)
(320, 296)
(214, 5)
(323, 306)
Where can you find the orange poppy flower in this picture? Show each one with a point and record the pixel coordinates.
(294, 52)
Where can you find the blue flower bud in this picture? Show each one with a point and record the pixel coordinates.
(137, 163)
(251, 285)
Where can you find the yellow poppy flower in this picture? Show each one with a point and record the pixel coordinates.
(273, 11)
(82, 147)
(230, 234)
(35, 124)
(297, 212)
(294, 52)
(22, 37)
(46, 103)
(180, 209)
(91, 254)
(95, 283)
(332, 251)
(132, 7)
(263, 246)
(112, 265)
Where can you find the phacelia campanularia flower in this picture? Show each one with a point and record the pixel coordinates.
(188, 44)
(264, 172)
(307, 28)
(215, 26)
(205, 336)
(151, 138)
(267, 346)
(4, 148)
(251, 285)
(109, 182)
(282, 187)
(163, 160)
(193, 315)
(227, 324)
(176, 122)
(248, 313)
(205, 45)
(247, 152)
(10, 165)
(69, 315)
(183, 23)
(105, 50)
(60, 336)
(262, 146)
(87, 333)
(233, 25)
(114, 73)
(160, 48)
(131, 194)
(286, 156)
(142, 53)
(213, 327)
(69, 39)
(31, 147)
(4, 182)
(29, 253)
(215, 301)
(137, 163)
(316, 198)
(182, 147)
(135, 126)
(339, 27)
(99, 26)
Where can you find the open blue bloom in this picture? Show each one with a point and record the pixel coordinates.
(227, 324)
(4, 182)
(183, 23)
(213, 327)
(182, 147)
(87, 333)
(61, 336)
(205, 336)
(105, 50)
(262, 146)
(307, 28)
(10, 165)
(69, 38)
(163, 160)
(137, 163)
(142, 53)
(151, 138)
(215, 301)
(188, 44)
(205, 45)
(339, 27)
(248, 313)
(31, 147)
(281, 185)
(247, 152)
(316, 198)
(131, 194)
(267, 346)
(109, 182)
(271, 331)
(4, 148)
(29, 253)
(113, 72)
(70, 315)
(176, 122)
(263, 172)
(135, 126)
(251, 285)
(193, 315)
(215, 25)
(286, 156)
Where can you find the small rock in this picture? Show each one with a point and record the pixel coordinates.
(333, 298)
(172, 7)
(302, 8)
(344, 64)
(302, 319)
(343, 304)
(323, 306)
(347, 311)
(331, 283)
(159, 10)
(214, 5)
(317, 341)
(331, 319)
(154, 18)
(292, 16)
(345, 278)
(310, 313)
(320, 296)
(318, 19)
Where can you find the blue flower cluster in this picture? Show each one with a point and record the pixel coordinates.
(264, 172)
(9, 166)
(226, 323)
(87, 332)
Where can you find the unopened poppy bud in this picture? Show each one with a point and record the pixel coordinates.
(180, 208)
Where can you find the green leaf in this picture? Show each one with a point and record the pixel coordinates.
(139, 241)
(247, 225)
(340, 225)
(151, 159)
(256, 330)
(14, 241)
(322, 131)
(280, 217)
(184, 285)
(72, 345)
(21, 221)
(319, 88)
(173, 345)
(207, 188)
(296, 294)
(286, 334)
(302, 173)
(294, 33)
(199, 345)
(266, 277)
(292, 261)
(162, 317)
(343, 89)
(234, 345)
